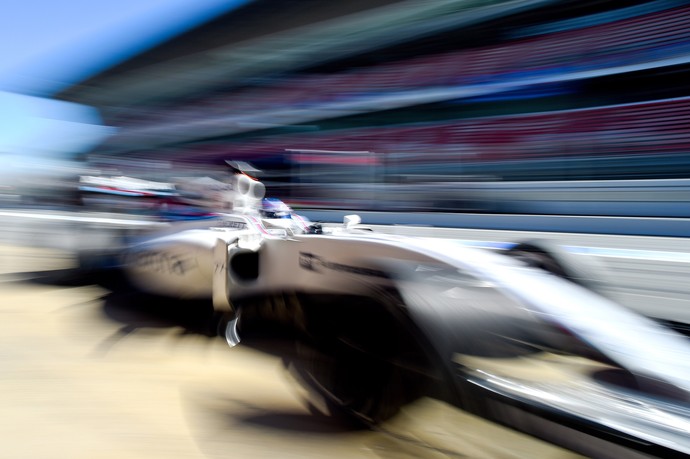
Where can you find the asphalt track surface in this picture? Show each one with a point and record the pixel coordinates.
(91, 370)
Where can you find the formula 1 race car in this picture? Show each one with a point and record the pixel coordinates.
(519, 336)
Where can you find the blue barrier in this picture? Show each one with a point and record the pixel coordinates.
(630, 226)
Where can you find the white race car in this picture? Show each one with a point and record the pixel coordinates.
(519, 337)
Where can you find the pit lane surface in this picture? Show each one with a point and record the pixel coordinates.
(98, 371)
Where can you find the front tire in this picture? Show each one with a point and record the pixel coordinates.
(553, 258)
(358, 361)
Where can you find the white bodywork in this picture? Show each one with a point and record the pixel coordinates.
(460, 297)
(183, 264)
(244, 255)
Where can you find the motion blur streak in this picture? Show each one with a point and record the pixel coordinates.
(473, 123)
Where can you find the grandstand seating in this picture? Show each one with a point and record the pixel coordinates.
(642, 129)
(658, 128)
(639, 40)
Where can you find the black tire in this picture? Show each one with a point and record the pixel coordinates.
(553, 258)
(359, 369)
(357, 389)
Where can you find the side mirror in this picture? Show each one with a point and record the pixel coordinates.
(351, 220)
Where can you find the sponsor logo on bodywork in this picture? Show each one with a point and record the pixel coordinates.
(164, 262)
(234, 224)
(315, 263)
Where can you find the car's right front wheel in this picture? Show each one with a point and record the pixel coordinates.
(358, 359)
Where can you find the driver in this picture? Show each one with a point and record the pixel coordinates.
(274, 208)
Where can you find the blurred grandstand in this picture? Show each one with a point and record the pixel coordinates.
(536, 106)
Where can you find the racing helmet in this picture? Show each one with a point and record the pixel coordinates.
(274, 208)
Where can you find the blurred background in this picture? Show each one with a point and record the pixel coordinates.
(563, 117)
(522, 106)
